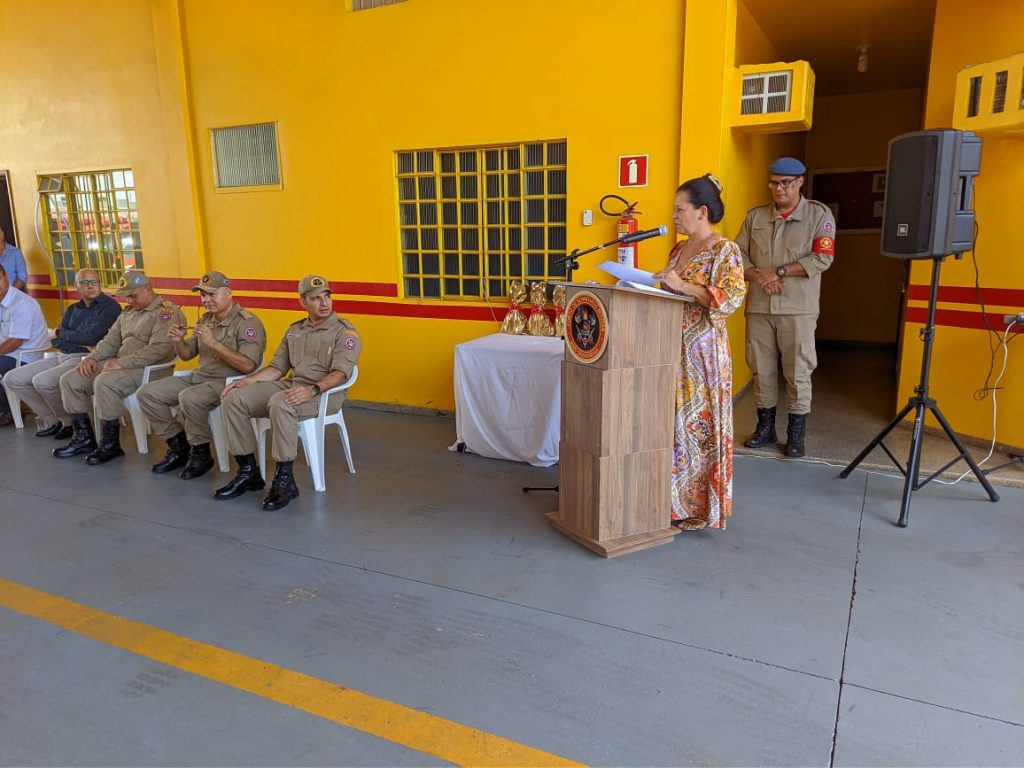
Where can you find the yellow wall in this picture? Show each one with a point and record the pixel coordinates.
(860, 293)
(960, 355)
(82, 92)
(347, 89)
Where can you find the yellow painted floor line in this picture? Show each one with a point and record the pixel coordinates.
(416, 730)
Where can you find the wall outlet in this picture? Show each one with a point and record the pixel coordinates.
(1019, 319)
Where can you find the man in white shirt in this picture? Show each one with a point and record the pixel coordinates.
(22, 326)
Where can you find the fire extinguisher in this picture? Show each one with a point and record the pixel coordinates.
(627, 224)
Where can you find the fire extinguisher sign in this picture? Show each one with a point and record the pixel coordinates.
(633, 170)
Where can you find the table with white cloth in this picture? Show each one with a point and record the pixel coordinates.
(508, 397)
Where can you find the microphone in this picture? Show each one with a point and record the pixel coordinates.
(636, 237)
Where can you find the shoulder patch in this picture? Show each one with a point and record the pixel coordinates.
(250, 333)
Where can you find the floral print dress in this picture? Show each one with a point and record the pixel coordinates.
(702, 457)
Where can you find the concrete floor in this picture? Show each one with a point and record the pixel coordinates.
(811, 632)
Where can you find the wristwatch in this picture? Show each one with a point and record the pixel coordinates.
(781, 271)
(315, 388)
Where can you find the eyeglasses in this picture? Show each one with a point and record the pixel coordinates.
(782, 183)
(88, 283)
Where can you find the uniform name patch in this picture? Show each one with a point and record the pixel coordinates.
(824, 245)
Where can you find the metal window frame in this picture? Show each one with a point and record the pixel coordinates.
(92, 214)
(501, 218)
(218, 183)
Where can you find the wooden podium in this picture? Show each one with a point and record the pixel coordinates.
(622, 349)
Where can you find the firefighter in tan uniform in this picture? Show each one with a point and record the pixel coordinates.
(113, 370)
(786, 246)
(321, 351)
(229, 341)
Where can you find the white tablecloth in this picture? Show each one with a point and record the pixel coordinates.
(508, 395)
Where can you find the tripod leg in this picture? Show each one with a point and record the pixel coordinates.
(913, 465)
(963, 452)
(878, 439)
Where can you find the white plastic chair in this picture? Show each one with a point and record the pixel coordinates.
(140, 424)
(220, 442)
(311, 433)
(13, 398)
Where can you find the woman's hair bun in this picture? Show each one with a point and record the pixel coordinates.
(714, 181)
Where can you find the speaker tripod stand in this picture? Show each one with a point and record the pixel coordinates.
(919, 404)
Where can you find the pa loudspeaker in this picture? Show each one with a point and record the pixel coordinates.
(929, 194)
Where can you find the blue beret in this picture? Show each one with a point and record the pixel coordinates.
(787, 166)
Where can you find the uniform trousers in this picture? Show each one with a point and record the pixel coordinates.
(38, 385)
(109, 387)
(260, 400)
(790, 337)
(194, 401)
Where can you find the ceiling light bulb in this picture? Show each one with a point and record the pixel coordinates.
(862, 59)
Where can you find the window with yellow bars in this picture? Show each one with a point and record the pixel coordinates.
(92, 220)
(471, 220)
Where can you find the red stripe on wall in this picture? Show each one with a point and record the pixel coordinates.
(342, 306)
(385, 290)
(962, 294)
(955, 318)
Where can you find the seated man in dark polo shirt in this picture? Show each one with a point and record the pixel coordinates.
(84, 323)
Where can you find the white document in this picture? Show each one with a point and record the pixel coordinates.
(624, 272)
(631, 277)
(652, 289)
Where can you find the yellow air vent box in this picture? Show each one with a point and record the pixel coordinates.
(990, 97)
(773, 98)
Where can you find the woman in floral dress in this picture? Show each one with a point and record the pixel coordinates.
(709, 269)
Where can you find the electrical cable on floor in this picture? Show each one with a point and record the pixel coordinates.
(994, 389)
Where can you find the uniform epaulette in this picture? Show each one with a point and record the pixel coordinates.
(246, 313)
(819, 204)
(167, 305)
(298, 322)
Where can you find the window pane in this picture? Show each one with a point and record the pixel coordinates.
(463, 209)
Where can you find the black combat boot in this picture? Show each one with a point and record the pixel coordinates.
(66, 432)
(283, 489)
(199, 462)
(110, 444)
(795, 435)
(51, 430)
(83, 439)
(764, 432)
(177, 454)
(247, 479)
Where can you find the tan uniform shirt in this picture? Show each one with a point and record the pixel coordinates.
(767, 240)
(241, 331)
(139, 338)
(311, 352)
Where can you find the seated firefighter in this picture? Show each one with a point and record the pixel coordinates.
(83, 325)
(321, 351)
(229, 340)
(113, 370)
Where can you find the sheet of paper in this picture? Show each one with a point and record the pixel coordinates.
(624, 272)
(652, 289)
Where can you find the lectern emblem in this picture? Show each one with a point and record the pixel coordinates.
(586, 332)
